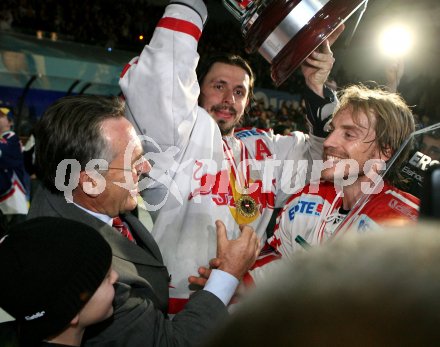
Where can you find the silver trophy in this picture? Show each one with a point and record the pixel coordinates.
(286, 32)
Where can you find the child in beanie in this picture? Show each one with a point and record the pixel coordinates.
(56, 279)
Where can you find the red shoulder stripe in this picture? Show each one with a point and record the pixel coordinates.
(126, 67)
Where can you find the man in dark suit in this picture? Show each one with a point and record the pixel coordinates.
(89, 159)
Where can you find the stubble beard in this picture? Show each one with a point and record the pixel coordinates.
(226, 130)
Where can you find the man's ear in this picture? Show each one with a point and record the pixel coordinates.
(86, 181)
(387, 153)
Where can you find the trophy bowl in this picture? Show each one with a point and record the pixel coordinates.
(286, 32)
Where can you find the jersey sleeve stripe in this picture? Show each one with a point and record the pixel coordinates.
(180, 26)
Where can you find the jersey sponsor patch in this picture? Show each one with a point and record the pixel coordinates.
(312, 208)
(247, 133)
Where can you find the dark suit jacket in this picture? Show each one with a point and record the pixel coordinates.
(142, 289)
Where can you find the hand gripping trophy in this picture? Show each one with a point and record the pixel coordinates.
(286, 32)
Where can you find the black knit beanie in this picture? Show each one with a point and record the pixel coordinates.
(49, 268)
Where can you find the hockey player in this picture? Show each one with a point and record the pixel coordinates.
(365, 131)
(203, 171)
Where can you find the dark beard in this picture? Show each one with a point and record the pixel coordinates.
(225, 131)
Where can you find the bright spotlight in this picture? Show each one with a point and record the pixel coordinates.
(396, 41)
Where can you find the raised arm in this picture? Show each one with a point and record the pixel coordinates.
(320, 100)
(160, 86)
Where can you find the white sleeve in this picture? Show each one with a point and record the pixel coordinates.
(160, 87)
(316, 146)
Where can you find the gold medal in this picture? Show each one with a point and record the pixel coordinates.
(246, 206)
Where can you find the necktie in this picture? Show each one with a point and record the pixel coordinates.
(120, 226)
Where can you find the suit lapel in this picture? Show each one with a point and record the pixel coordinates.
(121, 246)
(142, 235)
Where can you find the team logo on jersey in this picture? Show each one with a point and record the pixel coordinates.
(402, 208)
(365, 224)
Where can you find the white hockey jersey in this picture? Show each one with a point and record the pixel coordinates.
(193, 185)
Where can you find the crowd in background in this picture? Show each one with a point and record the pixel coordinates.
(116, 24)
(101, 22)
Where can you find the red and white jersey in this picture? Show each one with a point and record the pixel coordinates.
(312, 214)
(194, 185)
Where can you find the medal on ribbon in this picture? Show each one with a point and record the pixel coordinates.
(245, 204)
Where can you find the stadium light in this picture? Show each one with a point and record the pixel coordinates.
(396, 40)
